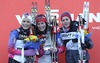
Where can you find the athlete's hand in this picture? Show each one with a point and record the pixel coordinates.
(53, 50)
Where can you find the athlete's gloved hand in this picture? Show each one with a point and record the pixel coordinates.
(83, 46)
(87, 43)
(53, 50)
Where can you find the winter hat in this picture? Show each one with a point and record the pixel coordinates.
(27, 15)
(66, 14)
(40, 18)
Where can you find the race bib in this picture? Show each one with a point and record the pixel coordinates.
(69, 35)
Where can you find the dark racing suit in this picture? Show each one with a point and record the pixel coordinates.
(72, 53)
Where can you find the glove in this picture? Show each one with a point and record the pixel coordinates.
(88, 45)
(88, 40)
(83, 46)
(53, 50)
(74, 40)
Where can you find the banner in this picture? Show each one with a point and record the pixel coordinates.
(11, 12)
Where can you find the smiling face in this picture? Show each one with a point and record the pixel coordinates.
(41, 25)
(26, 23)
(66, 21)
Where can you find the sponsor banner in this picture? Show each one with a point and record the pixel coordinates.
(11, 12)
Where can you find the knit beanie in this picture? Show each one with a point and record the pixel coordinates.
(41, 18)
(66, 14)
(27, 15)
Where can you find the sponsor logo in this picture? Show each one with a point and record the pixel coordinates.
(55, 12)
(69, 35)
